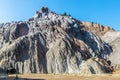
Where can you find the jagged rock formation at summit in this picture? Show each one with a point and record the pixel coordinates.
(52, 43)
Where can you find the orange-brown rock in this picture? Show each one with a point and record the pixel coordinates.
(97, 29)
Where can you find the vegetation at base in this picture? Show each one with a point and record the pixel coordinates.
(16, 77)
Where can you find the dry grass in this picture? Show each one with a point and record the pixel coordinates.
(117, 71)
(69, 76)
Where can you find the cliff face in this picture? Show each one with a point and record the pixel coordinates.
(52, 43)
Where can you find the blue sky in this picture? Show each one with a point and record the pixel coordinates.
(106, 12)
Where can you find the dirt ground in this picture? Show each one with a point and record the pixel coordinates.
(63, 77)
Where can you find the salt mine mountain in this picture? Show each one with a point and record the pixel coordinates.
(53, 43)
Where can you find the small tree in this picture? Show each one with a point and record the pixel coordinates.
(69, 14)
(65, 14)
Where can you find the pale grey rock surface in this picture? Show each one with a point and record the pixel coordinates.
(113, 38)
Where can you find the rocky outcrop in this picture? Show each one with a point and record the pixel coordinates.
(52, 43)
(95, 28)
